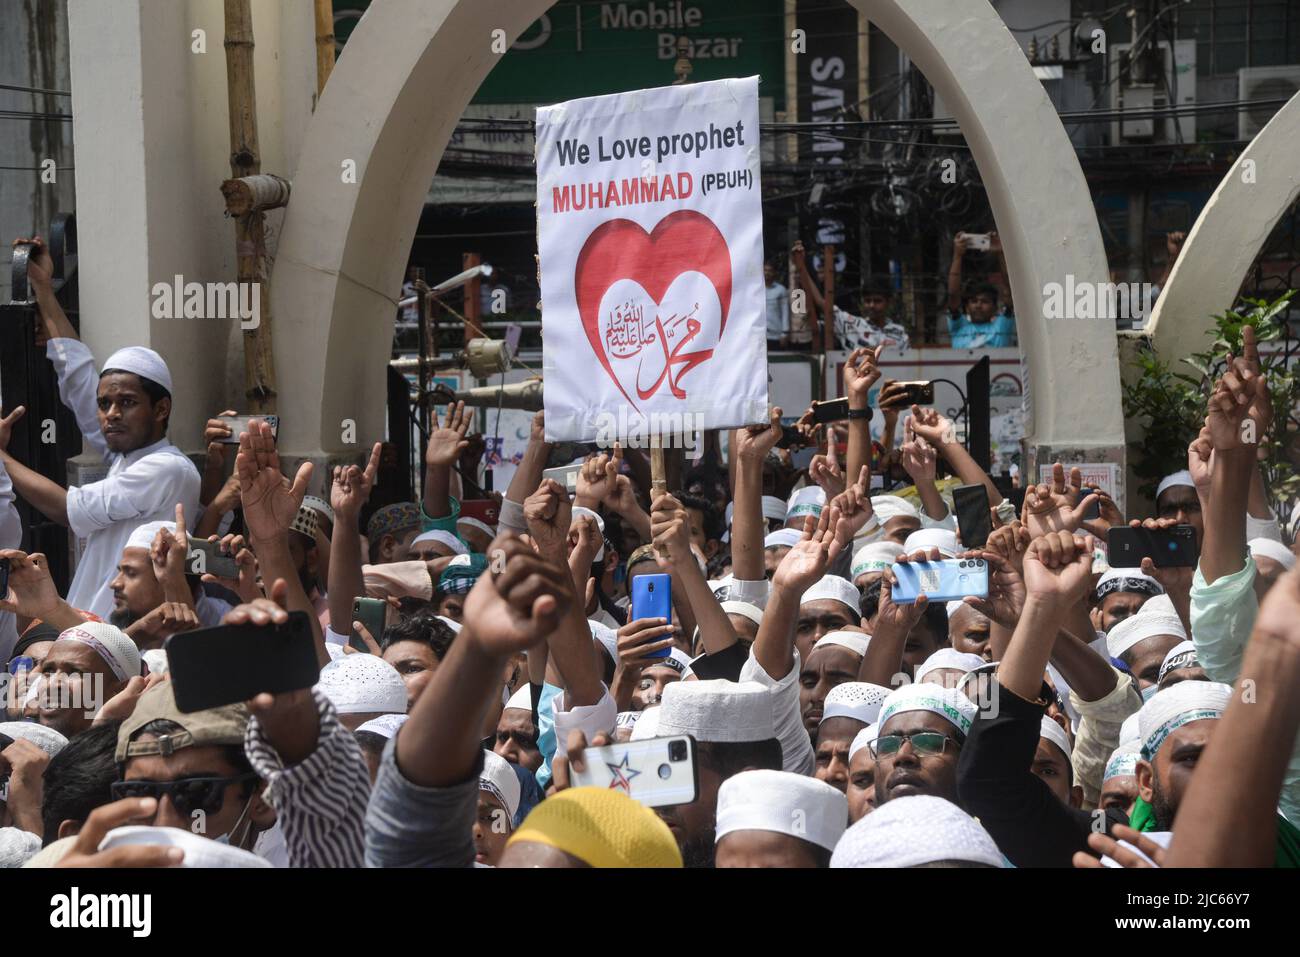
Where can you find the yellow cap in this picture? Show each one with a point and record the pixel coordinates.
(601, 827)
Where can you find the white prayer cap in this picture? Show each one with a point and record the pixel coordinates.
(142, 536)
(855, 641)
(155, 659)
(954, 606)
(47, 739)
(876, 557)
(600, 526)
(948, 658)
(744, 609)
(834, 588)
(499, 780)
(647, 726)
(1053, 732)
(886, 507)
(782, 538)
(1145, 624)
(1129, 733)
(443, 538)
(1123, 762)
(1127, 579)
(717, 710)
(522, 698)
(199, 851)
(1182, 477)
(948, 703)
(449, 622)
(941, 538)
(111, 643)
(1177, 705)
(1181, 655)
(356, 684)
(385, 725)
(773, 508)
(783, 803)
(859, 700)
(863, 738)
(143, 362)
(1271, 548)
(677, 660)
(808, 500)
(1161, 604)
(915, 830)
(318, 505)
(475, 523)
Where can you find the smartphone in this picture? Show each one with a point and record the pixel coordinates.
(566, 475)
(1167, 548)
(945, 580)
(652, 597)
(211, 667)
(918, 393)
(791, 438)
(239, 423)
(206, 558)
(4, 577)
(831, 410)
(371, 612)
(971, 502)
(981, 242)
(1093, 511)
(657, 772)
(485, 510)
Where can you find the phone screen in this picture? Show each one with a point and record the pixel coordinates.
(971, 503)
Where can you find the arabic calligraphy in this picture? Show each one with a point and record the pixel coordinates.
(628, 335)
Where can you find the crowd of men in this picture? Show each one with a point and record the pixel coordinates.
(1079, 715)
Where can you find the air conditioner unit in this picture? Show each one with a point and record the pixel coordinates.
(1263, 83)
(1178, 85)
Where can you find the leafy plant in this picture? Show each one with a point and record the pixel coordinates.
(1171, 403)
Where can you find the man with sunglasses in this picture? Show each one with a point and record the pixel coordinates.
(922, 730)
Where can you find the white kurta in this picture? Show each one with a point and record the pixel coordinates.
(11, 536)
(141, 486)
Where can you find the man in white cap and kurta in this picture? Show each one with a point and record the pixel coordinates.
(834, 659)
(86, 666)
(778, 819)
(849, 709)
(122, 413)
(922, 730)
(1143, 641)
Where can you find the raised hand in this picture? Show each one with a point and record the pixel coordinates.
(7, 424)
(519, 601)
(755, 441)
(825, 470)
(122, 705)
(920, 460)
(1241, 394)
(32, 592)
(549, 515)
(245, 586)
(1105, 844)
(1056, 506)
(85, 850)
(861, 372)
(270, 500)
(214, 431)
(1177, 582)
(351, 487)
(642, 638)
(854, 504)
(1200, 462)
(585, 538)
(670, 530)
(1009, 543)
(151, 630)
(1058, 567)
(933, 427)
(807, 561)
(22, 767)
(448, 440)
(168, 554)
(901, 618)
(1006, 598)
(620, 496)
(593, 481)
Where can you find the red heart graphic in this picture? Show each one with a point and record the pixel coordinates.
(621, 249)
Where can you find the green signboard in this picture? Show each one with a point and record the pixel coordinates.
(586, 48)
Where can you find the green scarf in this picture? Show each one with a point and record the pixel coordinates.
(1143, 819)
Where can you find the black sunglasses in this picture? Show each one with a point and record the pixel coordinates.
(188, 794)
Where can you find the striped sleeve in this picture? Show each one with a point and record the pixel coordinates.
(321, 801)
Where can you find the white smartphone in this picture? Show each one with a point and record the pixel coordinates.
(566, 475)
(978, 241)
(657, 772)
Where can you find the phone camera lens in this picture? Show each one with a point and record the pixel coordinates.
(650, 586)
(665, 772)
(676, 750)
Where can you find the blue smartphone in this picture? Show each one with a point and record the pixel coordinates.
(945, 580)
(652, 597)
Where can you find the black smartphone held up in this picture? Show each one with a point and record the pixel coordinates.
(791, 438)
(1167, 548)
(239, 423)
(373, 613)
(918, 393)
(4, 577)
(971, 502)
(831, 410)
(205, 558)
(1093, 511)
(211, 667)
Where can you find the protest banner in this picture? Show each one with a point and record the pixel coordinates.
(650, 235)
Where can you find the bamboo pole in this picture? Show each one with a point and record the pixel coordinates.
(324, 43)
(250, 231)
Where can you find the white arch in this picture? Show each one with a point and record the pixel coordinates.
(1225, 239)
(403, 81)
